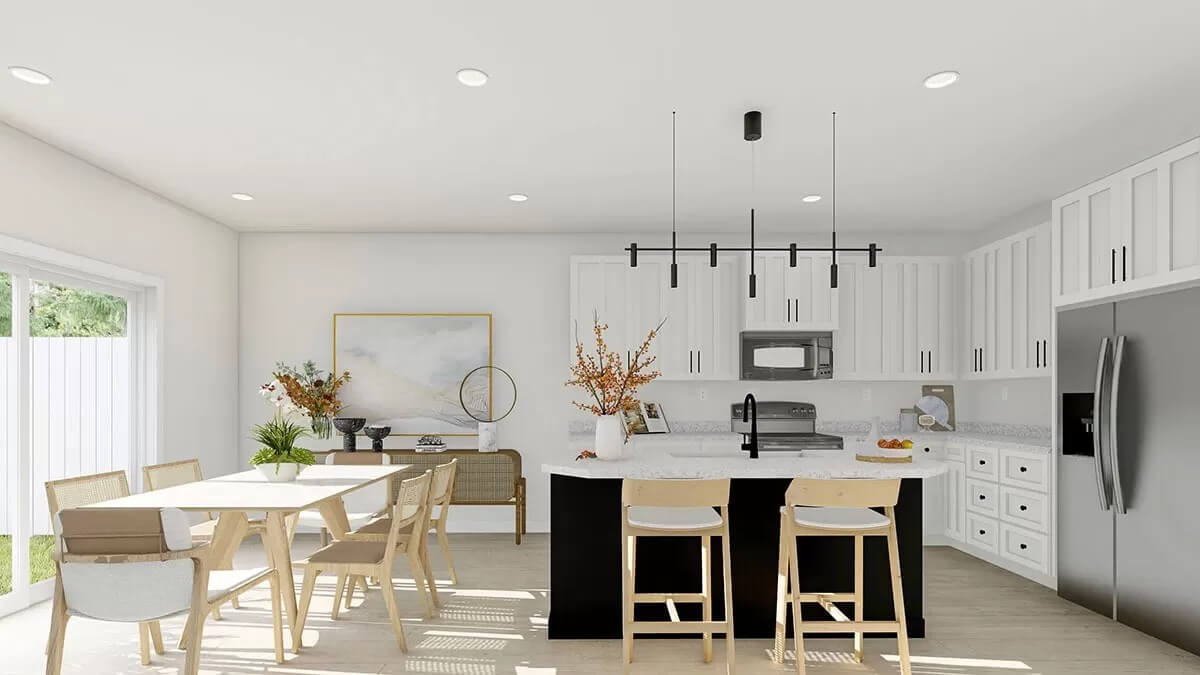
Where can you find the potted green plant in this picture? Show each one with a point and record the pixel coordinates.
(278, 458)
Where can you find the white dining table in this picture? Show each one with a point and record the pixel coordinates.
(233, 496)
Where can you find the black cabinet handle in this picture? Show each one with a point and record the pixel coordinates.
(1037, 348)
(1023, 547)
(690, 370)
(789, 309)
(797, 312)
(1123, 277)
(1045, 354)
(1024, 508)
(1113, 265)
(698, 368)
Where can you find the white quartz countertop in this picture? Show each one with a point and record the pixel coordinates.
(920, 438)
(650, 463)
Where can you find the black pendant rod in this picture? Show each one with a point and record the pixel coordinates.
(674, 266)
(833, 270)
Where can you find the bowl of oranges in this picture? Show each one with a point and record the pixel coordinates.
(894, 444)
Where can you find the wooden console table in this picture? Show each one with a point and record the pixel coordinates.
(484, 478)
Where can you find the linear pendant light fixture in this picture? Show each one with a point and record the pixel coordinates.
(751, 132)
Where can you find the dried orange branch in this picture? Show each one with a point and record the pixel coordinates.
(611, 383)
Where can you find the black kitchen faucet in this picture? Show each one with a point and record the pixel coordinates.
(750, 414)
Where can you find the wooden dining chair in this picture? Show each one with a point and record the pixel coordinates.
(70, 493)
(361, 506)
(137, 565)
(170, 474)
(349, 558)
(443, 491)
(837, 508)
(416, 541)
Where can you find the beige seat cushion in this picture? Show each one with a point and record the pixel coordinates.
(360, 552)
(838, 518)
(674, 517)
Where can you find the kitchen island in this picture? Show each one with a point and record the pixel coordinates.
(585, 541)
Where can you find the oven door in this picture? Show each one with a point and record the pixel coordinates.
(787, 356)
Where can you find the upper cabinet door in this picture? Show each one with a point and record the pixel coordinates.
(1135, 231)
(716, 317)
(673, 346)
(791, 298)
(599, 290)
(646, 299)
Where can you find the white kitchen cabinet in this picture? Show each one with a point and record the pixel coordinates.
(999, 506)
(790, 298)
(698, 339)
(1007, 327)
(1130, 233)
(896, 319)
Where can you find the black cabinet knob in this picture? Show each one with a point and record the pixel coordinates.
(1024, 469)
(982, 497)
(1023, 547)
(1024, 508)
(982, 532)
(982, 462)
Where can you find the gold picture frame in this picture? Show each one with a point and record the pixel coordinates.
(444, 421)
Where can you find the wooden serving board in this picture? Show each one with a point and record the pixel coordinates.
(884, 459)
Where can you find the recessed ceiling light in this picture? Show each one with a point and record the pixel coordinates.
(808, 199)
(472, 77)
(242, 197)
(29, 75)
(518, 197)
(942, 79)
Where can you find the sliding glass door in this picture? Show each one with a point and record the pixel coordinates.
(71, 383)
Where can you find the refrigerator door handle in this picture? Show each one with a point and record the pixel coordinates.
(1113, 457)
(1098, 427)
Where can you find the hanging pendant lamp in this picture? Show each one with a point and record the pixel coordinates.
(752, 132)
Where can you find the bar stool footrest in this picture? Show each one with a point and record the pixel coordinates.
(850, 626)
(679, 626)
(664, 597)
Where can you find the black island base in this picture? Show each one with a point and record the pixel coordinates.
(585, 562)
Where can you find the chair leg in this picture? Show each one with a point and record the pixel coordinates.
(706, 591)
(144, 642)
(233, 602)
(627, 576)
(433, 592)
(195, 633)
(183, 636)
(216, 612)
(276, 616)
(444, 542)
(337, 595)
(389, 599)
(58, 630)
(727, 580)
(418, 572)
(156, 637)
(898, 595)
(324, 537)
(306, 593)
(797, 624)
(349, 595)
(858, 595)
(517, 517)
(781, 597)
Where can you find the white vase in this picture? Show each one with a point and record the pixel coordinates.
(282, 472)
(487, 437)
(610, 437)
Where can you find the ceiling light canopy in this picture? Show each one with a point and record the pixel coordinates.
(472, 77)
(242, 197)
(809, 199)
(518, 197)
(29, 75)
(941, 80)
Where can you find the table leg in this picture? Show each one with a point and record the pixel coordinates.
(281, 559)
(227, 536)
(336, 520)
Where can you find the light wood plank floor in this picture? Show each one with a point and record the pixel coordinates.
(981, 620)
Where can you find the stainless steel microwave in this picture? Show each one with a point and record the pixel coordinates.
(787, 355)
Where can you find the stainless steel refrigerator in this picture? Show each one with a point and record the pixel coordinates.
(1129, 463)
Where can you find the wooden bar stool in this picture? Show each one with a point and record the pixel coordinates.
(676, 508)
(837, 508)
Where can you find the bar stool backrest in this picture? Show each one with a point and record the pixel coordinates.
(851, 492)
(636, 492)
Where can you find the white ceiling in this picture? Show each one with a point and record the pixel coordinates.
(348, 116)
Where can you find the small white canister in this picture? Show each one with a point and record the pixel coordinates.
(487, 437)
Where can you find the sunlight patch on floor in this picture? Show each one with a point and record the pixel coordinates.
(957, 662)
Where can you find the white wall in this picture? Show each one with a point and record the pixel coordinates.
(54, 199)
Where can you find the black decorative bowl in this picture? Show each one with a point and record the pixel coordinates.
(349, 426)
(377, 434)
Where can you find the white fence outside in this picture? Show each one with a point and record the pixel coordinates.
(80, 420)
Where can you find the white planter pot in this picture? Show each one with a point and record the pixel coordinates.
(280, 473)
(610, 437)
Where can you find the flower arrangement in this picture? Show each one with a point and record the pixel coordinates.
(307, 390)
(607, 378)
(277, 439)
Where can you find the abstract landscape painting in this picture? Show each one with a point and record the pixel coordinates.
(406, 368)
